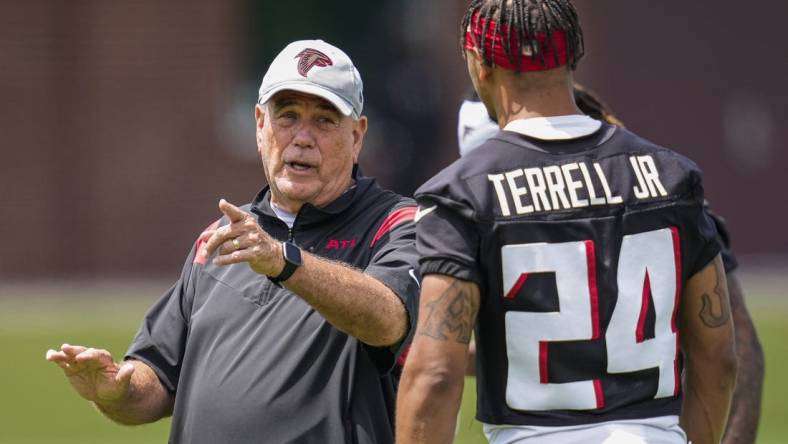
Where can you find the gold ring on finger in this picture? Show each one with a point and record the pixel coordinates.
(236, 244)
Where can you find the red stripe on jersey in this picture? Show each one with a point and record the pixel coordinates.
(677, 255)
(677, 259)
(517, 286)
(400, 216)
(600, 395)
(544, 377)
(640, 333)
(591, 259)
(198, 257)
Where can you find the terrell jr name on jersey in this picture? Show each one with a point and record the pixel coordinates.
(581, 249)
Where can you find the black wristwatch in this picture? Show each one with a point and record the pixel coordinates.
(292, 256)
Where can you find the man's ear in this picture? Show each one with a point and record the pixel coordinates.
(259, 115)
(259, 118)
(359, 130)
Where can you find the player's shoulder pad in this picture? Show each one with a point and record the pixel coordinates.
(673, 162)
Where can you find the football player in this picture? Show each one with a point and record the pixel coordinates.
(475, 127)
(580, 252)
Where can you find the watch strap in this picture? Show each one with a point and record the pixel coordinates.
(290, 265)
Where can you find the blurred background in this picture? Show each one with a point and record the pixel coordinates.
(122, 123)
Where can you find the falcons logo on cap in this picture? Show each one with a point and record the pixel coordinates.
(309, 58)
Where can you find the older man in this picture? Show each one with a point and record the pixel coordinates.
(290, 311)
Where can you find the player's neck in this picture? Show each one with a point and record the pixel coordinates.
(526, 103)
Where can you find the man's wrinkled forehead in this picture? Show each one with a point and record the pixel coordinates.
(287, 98)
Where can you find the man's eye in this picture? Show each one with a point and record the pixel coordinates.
(327, 122)
(287, 118)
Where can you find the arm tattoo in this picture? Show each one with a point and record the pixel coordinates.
(715, 318)
(451, 316)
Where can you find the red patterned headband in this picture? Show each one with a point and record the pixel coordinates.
(495, 44)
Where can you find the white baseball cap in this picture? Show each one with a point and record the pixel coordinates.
(317, 68)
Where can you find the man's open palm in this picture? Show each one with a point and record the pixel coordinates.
(93, 373)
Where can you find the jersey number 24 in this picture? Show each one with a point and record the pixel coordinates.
(649, 267)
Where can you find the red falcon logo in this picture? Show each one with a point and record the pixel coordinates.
(309, 58)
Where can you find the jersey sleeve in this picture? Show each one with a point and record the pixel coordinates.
(394, 263)
(728, 258)
(447, 238)
(702, 241)
(161, 339)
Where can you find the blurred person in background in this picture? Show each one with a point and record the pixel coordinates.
(290, 311)
(475, 126)
(583, 249)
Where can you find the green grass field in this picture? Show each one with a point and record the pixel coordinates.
(38, 405)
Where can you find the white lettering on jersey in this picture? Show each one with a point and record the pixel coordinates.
(535, 180)
(573, 185)
(608, 195)
(592, 196)
(649, 186)
(555, 183)
(554, 188)
(497, 181)
(518, 192)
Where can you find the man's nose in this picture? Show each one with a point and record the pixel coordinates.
(304, 136)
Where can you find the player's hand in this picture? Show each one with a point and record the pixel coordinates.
(93, 373)
(243, 240)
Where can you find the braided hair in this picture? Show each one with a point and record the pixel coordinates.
(524, 22)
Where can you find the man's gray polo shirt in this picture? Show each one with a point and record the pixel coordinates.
(250, 362)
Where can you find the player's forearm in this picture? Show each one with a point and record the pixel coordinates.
(710, 354)
(350, 300)
(432, 382)
(427, 406)
(746, 407)
(707, 398)
(147, 399)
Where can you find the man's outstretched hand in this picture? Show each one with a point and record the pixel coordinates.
(93, 373)
(243, 240)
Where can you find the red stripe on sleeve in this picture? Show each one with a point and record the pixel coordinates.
(198, 257)
(400, 216)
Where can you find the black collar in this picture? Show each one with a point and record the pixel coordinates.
(310, 214)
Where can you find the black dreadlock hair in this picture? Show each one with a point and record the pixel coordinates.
(528, 19)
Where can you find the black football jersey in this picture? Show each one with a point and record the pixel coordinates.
(581, 249)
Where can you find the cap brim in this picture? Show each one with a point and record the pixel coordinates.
(341, 104)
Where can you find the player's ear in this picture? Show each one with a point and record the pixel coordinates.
(477, 69)
(359, 130)
(485, 72)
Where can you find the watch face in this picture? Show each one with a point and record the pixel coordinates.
(291, 253)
